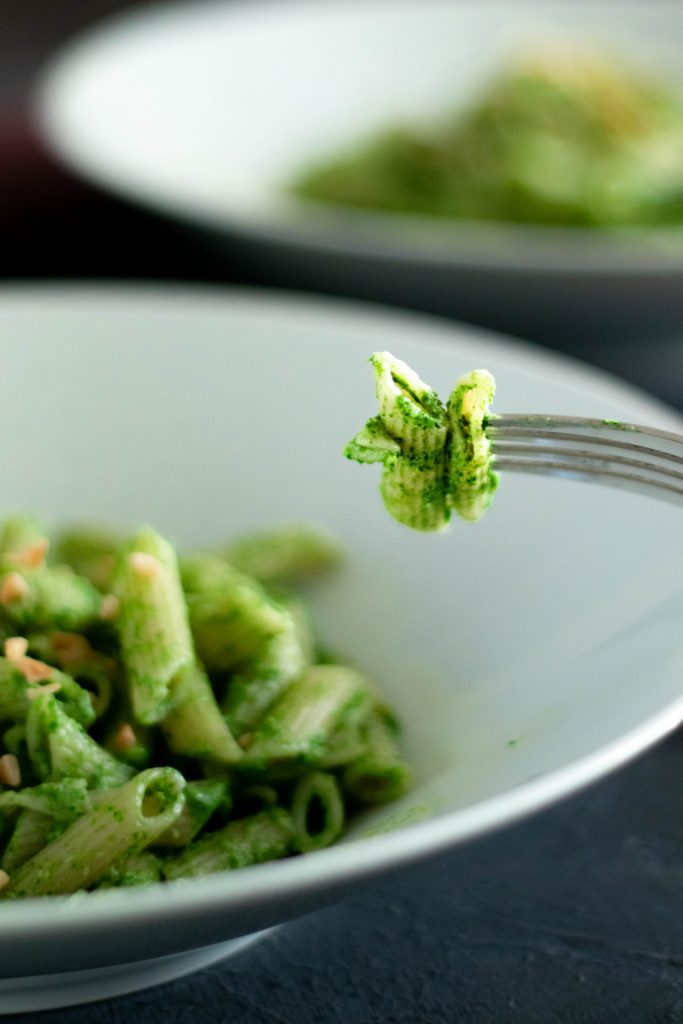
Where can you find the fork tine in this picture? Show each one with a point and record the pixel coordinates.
(636, 483)
(598, 460)
(537, 421)
(640, 459)
(660, 444)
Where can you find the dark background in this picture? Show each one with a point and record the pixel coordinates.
(572, 916)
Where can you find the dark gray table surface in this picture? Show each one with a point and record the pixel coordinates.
(571, 916)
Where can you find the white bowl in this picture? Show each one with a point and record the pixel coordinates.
(204, 111)
(527, 655)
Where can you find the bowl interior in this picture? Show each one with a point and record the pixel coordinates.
(544, 636)
(261, 89)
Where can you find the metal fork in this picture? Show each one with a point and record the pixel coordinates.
(629, 457)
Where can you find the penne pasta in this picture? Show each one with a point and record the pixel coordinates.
(267, 835)
(317, 812)
(408, 437)
(302, 721)
(195, 726)
(152, 623)
(288, 554)
(435, 460)
(163, 718)
(122, 822)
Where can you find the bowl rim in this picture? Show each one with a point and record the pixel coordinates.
(308, 226)
(366, 856)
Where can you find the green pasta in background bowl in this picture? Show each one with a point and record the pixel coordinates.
(561, 137)
(433, 165)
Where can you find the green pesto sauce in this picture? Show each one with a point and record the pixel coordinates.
(426, 399)
(414, 415)
(420, 812)
(618, 425)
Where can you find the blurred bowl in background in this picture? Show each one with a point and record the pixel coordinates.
(203, 111)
